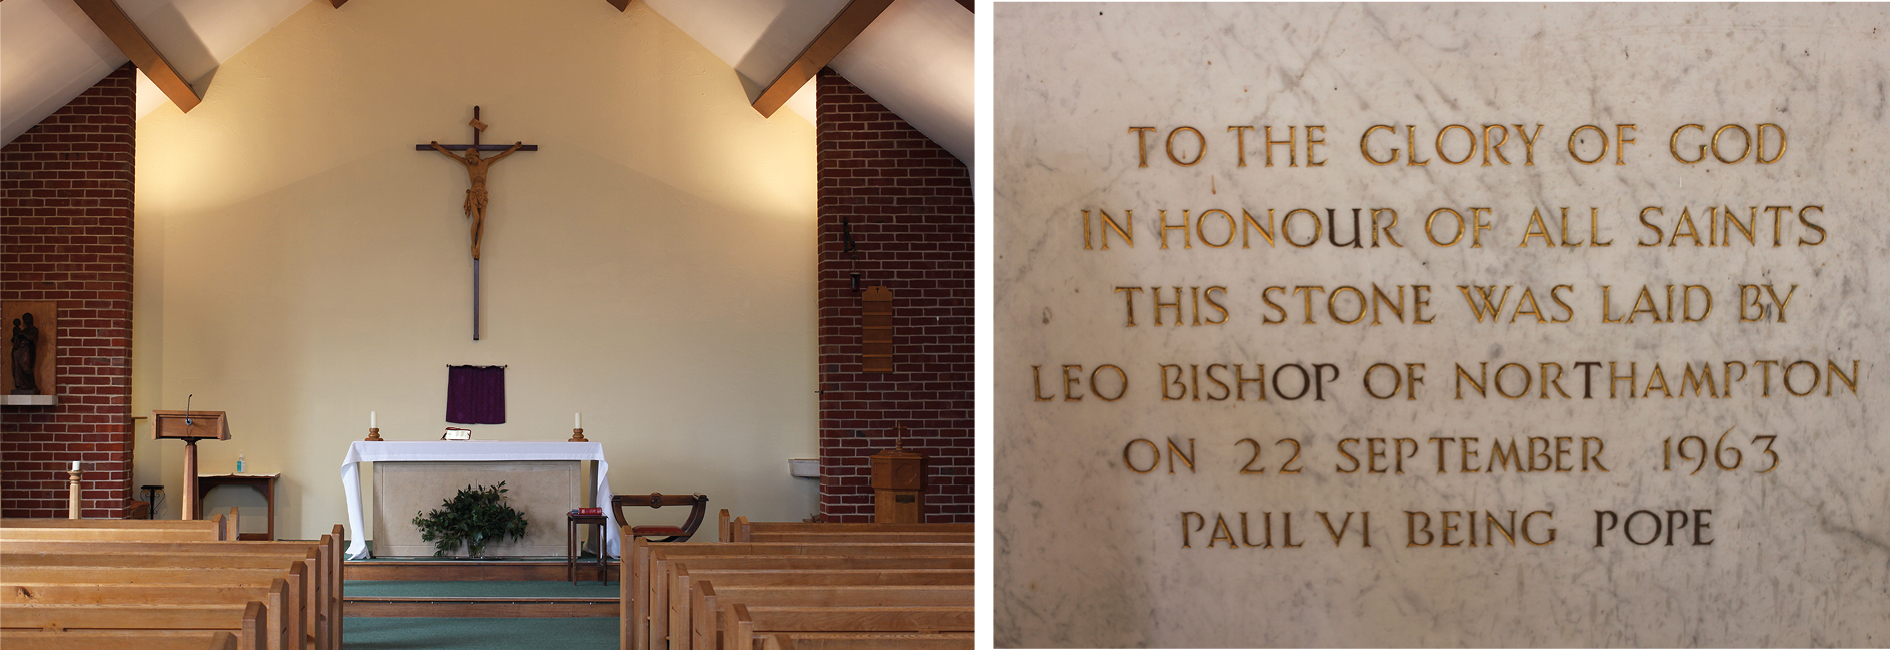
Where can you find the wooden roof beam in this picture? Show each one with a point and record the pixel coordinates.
(837, 35)
(125, 34)
(621, 5)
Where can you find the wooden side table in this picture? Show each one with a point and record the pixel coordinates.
(264, 483)
(572, 548)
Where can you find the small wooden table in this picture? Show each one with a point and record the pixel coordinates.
(574, 545)
(264, 483)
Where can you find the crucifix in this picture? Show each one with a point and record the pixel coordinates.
(476, 168)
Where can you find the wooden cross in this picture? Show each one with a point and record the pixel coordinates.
(476, 199)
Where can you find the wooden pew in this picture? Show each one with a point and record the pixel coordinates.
(283, 628)
(681, 594)
(314, 572)
(645, 561)
(865, 641)
(871, 537)
(247, 622)
(740, 529)
(321, 589)
(222, 528)
(326, 572)
(742, 623)
(708, 601)
(140, 639)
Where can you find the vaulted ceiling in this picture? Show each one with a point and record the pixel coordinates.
(914, 56)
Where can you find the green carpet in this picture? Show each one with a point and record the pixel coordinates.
(479, 588)
(479, 633)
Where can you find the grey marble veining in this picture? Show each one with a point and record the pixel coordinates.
(1090, 553)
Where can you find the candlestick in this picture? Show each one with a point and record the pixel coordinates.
(577, 435)
(373, 434)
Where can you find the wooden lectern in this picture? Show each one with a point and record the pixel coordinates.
(898, 484)
(190, 426)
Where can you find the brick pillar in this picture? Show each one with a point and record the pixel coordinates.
(909, 204)
(65, 236)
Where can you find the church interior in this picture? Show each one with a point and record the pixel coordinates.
(281, 275)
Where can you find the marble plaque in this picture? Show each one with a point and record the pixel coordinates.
(1440, 325)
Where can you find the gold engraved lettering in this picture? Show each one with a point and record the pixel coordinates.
(1187, 239)
(1467, 155)
(1248, 223)
(1365, 149)
(1069, 381)
(1410, 142)
(1109, 223)
(1489, 521)
(1808, 224)
(1184, 526)
(1746, 149)
(1761, 159)
(1621, 141)
(1411, 527)
(1538, 229)
(1286, 230)
(1308, 291)
(1431, 233)
(1387, 227)
(1531, 538)
(1155, 456)
(1198, 155)
(1529, 144)
(1200, 226)
(1315, 142)
(1267, 520)
(1348, 456)
(1156, 293)
(1036, 381)
(1128, 300)
(1576, 133)
(1595, 456)
(1122, 378)
(1291, 142)
(1467, 449)
(1141, 143)
(1240, 145)
(1221, 532)
(1673, 145)
(1497, 147)
(1175, 452)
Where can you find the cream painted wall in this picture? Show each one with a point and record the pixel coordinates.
(298, 264)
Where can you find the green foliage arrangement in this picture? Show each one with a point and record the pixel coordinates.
(476, 516)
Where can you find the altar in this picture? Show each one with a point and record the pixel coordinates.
(425, 472)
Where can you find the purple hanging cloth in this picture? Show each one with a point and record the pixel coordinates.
(475, 394)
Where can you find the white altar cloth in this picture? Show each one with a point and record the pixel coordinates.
(396, 450)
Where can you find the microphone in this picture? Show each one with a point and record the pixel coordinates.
(187, 410)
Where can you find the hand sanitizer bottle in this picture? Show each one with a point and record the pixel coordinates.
(239, 462)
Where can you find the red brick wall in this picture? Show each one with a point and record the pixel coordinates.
(65, 235)
(909, 204)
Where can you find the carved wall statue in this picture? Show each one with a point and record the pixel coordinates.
(25, 355)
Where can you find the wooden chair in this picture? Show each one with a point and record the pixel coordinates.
(699, 504)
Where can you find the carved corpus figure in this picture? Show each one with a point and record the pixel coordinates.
(476, 167)
(25, 356)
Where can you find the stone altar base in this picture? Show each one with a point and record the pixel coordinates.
(544, 490)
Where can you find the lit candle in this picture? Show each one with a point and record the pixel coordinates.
(577, 420)
(370, 420)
